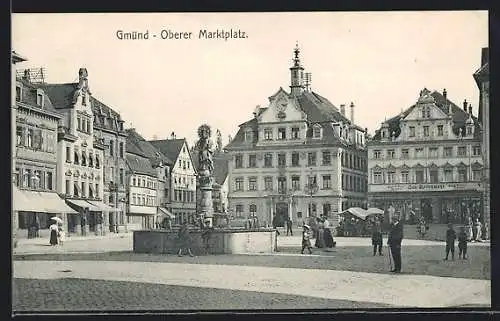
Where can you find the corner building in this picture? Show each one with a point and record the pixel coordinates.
(426, 162)
(298, 157)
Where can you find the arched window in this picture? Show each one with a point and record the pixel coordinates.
(77, 158)
(91, 161)
(84, 159)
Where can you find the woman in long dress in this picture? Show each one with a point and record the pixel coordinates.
(327, 234)
(320, 241)
(54, 231)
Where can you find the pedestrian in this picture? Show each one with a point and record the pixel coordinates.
(377, 239)
(462, 243)
(306, 239)
(54, 230)
(61, 236)
(206, 235)
(394, 241)
(451, 236)
(184, 239)
(469, 229)
(320, 240)
(275, 225)
(289, 227)
(477, 230)
(327, 234)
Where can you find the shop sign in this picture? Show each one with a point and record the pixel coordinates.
(426, 187)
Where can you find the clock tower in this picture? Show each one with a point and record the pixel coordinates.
(297, 74)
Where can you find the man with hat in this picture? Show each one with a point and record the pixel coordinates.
(394, 242)
(306, 239)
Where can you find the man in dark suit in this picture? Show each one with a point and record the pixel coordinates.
(394, 242)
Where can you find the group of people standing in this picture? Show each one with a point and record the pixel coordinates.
(322, 233)
(57, 235)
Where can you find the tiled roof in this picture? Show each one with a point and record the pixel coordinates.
(142, 147)
(139, 164)
(169, 147)
(459, 116)
(61, 95)
(101, 110)
(220, 169)
(317, 108)
(29, 93)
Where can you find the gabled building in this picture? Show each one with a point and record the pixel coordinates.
(80, 156)
(108, 127)
(35, 157)
(182, 178)
(426, 162)
(298, 157)
(161, 165)
(482, 78)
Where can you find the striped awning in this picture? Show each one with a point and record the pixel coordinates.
(104, 207)
(164, 212)
(84, 204)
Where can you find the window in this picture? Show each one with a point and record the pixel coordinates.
(68, 187)
(281, 184)
(96, 191)
(268, 183)
(476, 174)
(412, 131)
(447, 151)
(419, 152)
(423, 112)
(78, 123)
(84, 124)
(440, 130)
(111, 148)
(448, 175)
(252, 160)
(469, 131)
(281, 160)
(91, 160)
(30, 138)
(295, 159)
(391, 153)
(111, 173)
(133, 181)
(122, 176)
(268, 134)
(462, 174)
(248, 136)
(121, 149)
(76, 158)
(83, 189)
(252, 184)
(20, 135)
(426, 131)
(253, 210)
(377, 154)
(68, 154)
(295, 133)
(27, 178)
(433, 152)
(18, 93)
(377, 178)
(96, 163)
(405, 153)
(49, 179)
(391, 177)
(238, 161)
(239, 210)
(404, 177)
(326, 209)
(327, 182)
(84, 159)
(316, 132)
(419, 176)
(311, 181)
(238, 184)
(433, 175)
(476, 150)
(311, 159)
(327, 160)
(461, 151)
(281, 133)
(268, 160)
(296, 183)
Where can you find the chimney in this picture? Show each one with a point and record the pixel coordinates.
(445, 95)
(465, 105)
(470, 109)
(172, 135)
(342, 109)
(27, 75)
(485, 57)
(352, 112)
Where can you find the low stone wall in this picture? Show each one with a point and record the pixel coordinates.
(222, 241)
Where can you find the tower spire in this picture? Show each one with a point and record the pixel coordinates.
(297, 73)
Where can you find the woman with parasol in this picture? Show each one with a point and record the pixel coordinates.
(54, 231)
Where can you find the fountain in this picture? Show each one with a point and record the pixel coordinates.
(205, 238)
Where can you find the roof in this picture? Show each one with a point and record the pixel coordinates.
(169, 147)
(29, 93)
(139, 146)
(100, 110)
(61, 95)
(139, 165)
(17, 57)
(318, 110)
(459, 116)
(221, 169)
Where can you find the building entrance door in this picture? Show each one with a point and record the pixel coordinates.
(282, 213)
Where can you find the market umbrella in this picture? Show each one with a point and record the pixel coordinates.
(357, 212)
(57, 219)
(374, 211)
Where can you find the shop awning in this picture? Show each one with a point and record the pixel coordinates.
(104, 207)
(52, 203)
(355, 211)
(23, 202)
(164, 212)
(84, 204)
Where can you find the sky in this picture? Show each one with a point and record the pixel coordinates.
(378, 60)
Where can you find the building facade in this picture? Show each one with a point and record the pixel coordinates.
(298, 157)
(108, 127)
(182, 179)
(482, 78)
(427, 162)
(79, 156)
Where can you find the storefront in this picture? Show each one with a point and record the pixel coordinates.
(436, 203)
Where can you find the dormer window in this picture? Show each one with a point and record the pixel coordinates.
(19, 92)
(317, 131)
(248, 136)
(39, 97)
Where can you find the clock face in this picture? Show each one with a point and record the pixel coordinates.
(281, 104)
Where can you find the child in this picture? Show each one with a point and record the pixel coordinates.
(377, 238)
(462, 243)
(451, 236)
(61, 235)
(306, 239)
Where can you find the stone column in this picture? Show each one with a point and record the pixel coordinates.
(206, 205)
